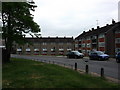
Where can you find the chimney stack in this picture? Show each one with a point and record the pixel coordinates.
(113, 21)
(98, 27)
(92, 29)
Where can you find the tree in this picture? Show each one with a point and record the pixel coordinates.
(17, 19)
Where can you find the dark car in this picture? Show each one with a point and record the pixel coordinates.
(75, 54)
(118, 57)
(98, 55)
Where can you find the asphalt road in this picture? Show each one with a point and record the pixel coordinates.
(110, 66)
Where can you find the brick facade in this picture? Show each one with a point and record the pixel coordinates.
(106, 39)
(46, 46)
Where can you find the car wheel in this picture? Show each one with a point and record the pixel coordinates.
(75, 57)
(68, 56)
(99, 59)
(118, 61)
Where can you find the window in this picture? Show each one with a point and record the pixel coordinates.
(88, 38)
(68, 43)
(118, 31)
(44, 50)
(117, 40)
(69, 49)
(61, 43)
(44, 43)
(101, 36)
(117, 50)
(89, 45)
(83, 51)
(101, 44)
(28, 50)
(83, 45)
(36, 50)
(52, 43)
(76, 45)
(19, 50)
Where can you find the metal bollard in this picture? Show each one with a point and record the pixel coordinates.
(53, 62)
(64, 65)
(102, 72)
(86, 69)
(49, 62)
(75, 66)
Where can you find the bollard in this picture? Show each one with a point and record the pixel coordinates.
(71, 66)
(64, 65)
(49, 62)
(102, 72)
(53, 62)
(87, 69)
(75, 66)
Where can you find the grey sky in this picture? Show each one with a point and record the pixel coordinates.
(72, 17)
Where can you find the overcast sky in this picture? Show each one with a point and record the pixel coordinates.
(72, 17)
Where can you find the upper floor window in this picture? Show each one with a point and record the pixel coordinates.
(118, 31)
(101, 44)
(117, 40)
(89, 45)
(68, 43)
(61, 43)
(44, 43)
(101, 36)
(83, 45)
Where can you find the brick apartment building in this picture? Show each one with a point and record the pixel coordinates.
(106, 39)
(46, 46)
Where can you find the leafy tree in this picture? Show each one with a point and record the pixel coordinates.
(17, 19)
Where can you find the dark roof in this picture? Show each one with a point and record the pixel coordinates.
(50, 39)
(99, 30)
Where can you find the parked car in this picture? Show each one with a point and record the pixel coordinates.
(118, 57)
(75, 54)
(98, 55)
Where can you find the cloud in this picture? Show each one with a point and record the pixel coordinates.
(71, 17)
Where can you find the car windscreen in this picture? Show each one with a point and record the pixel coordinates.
(77, 53)
(100, 53)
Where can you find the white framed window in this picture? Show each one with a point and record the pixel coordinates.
(61, 49)
(83, 51)
(36, 50)
(68, 43)
(88, 45)
(44, 43)
(19, 50)
(52, 43)
(101, 44)
(117, 40)
(101, 35)
(117, 50)
(44, 50)
(69, 49)
(88, 38)
(83, 45)
(61, 43)
(118, 31)
(88, 51)
(28, 50)
(76, 45)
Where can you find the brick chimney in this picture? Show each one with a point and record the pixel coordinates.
(113, 21)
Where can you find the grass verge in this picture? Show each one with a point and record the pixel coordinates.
(21, 73)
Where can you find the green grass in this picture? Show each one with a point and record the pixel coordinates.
(21, 73)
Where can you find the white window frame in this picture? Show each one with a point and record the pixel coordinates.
(117, 40)
(101, 44)
(28, 49)
(19, 50)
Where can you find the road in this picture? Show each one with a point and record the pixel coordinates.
(110, 66)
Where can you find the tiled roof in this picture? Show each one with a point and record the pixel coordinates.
(98, 30)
